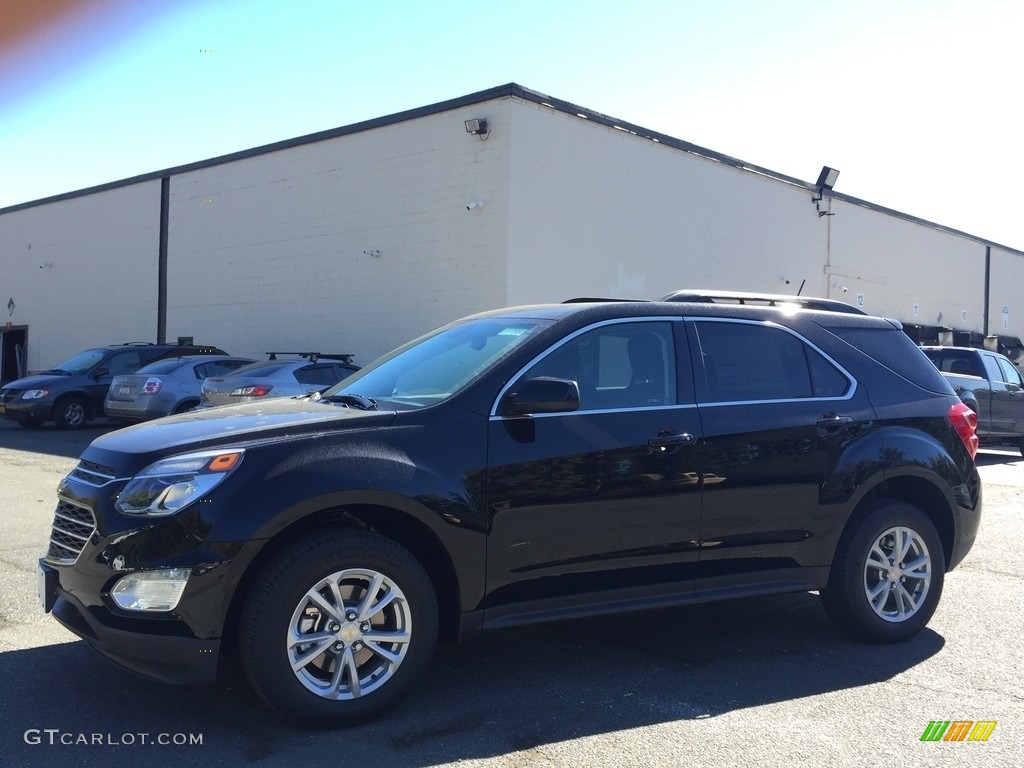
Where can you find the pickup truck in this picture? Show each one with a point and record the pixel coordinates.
(989, 385)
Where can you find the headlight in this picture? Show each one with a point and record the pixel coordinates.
(34, 394)
(169, 485)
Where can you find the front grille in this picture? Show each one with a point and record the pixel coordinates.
(93, 474)
(72, 528)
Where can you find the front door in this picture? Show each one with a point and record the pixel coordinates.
(603, 501)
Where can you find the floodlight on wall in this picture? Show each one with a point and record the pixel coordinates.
(477, 127)
(826, 180)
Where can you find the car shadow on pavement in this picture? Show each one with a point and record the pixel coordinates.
(50, 440)
(501, 693)
(988, 456)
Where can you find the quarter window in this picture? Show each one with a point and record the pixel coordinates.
(749, 362)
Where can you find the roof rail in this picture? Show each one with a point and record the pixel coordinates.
(589, 300)
(345, 357)
(762, 299)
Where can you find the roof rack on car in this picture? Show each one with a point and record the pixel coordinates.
(345, 357)
(762, 299)
(589, 300)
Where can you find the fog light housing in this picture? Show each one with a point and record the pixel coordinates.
(151, 590)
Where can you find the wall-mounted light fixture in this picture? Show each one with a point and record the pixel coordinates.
(826, 180)
(477, 127)
(472, 205)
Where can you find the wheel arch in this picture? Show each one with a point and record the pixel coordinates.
(394, 524)
(185, 404)
(75, 394)
(917, 491)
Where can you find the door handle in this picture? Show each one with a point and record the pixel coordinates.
(669, 442)
(833, 421)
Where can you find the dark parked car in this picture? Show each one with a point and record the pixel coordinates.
(990, 385)
(519, 466)
(72, 392)
(171, 385)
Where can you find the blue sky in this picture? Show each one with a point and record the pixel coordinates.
(915, 102)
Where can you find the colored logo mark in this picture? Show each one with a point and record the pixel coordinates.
(958, 730)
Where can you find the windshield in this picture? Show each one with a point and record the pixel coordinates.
(81, 362)
(436, 366)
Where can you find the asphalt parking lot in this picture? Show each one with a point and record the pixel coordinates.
(750, 682)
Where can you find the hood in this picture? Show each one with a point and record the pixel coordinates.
(40, 381)
(230, 425)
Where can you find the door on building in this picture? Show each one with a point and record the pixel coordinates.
(12, 353)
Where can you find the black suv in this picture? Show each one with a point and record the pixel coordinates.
(519, 466)
(72, 392)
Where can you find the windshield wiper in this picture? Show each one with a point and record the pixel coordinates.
(58, 372)
(353, 401)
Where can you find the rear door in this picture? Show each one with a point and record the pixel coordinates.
(1007, 395)
(600, 504)
(776, 414)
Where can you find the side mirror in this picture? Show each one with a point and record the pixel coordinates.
(542, 395)
(99, 373)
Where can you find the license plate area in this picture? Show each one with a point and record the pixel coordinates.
(46, 584)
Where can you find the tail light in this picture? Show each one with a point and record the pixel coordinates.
(255, 390)
(152, 386)
(965, 422)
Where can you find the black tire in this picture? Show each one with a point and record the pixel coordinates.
(71, 413)
(322, 691)
(873, 594)
(188, 405)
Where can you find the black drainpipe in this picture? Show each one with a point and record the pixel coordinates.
(988, 281)
(161, 268)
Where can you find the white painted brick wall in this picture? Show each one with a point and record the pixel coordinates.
(98, 284)
(275, 252)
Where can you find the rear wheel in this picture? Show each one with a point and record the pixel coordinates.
(70, 413)
(338, 629)
(188, 405)
(887, 575)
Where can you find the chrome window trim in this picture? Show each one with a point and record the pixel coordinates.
(563, 414)
(615, 321)
(854, 384)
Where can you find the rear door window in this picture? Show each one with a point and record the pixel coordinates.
(750, 361)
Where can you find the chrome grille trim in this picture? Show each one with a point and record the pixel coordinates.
(73, 526)
(93, 474)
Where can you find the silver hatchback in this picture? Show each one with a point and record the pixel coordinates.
(167, 386)
(275, 378)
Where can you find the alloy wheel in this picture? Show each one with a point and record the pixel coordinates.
(897, 574)
(349, 634)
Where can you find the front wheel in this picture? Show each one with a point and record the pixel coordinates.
(887, 575)
(338, 629)
(71, 413)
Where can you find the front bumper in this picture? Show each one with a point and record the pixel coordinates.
(27, 410)
(170, 658)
